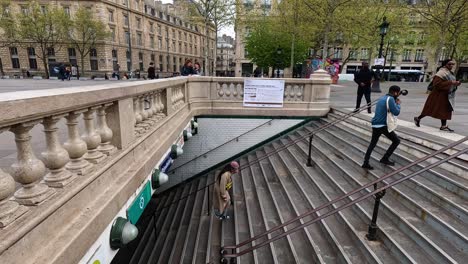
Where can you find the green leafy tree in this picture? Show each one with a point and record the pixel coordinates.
(86, 33)
(43, 26)
(265, 39)
(215, 14)
(446, 24)
(7, 24)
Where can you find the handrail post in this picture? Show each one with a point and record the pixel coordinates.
(208, 202)
(309, 158)
(372, 233)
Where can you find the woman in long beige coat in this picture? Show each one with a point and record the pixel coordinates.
(441, 101)
(223, 184)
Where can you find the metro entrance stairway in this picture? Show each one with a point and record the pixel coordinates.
(421, 220)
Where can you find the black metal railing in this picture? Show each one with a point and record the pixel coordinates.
(378, 192)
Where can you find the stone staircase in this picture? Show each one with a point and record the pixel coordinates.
(422, 220)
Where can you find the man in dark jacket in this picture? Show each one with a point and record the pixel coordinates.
(364, 80)
(151, 72)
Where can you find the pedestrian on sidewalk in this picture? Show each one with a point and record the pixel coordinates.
(391, 103)
(223, 184)
(151, 71)
(364, 78)
(441, 101)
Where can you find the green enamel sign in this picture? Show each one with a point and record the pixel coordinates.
(138, 206)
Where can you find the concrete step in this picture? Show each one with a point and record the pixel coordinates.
(409, 209)
(255, 216)
(282, 249)
(351, 226)
(299, 242)
(243, 228)
(204, 228)
(447, 206)
(454, 173)
(199, 208)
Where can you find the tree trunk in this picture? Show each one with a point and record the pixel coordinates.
(292, 54)
(207, 50)
(44, 61)
(325, 41)
(82, 64)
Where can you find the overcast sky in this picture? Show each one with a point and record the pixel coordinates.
(227, 30)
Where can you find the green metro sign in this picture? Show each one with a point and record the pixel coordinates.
(139, 204)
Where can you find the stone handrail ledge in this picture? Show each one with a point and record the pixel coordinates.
(128, 128)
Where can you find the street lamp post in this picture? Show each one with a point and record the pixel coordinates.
(383, 31)
(279, 51)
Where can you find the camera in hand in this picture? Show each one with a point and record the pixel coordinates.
(402, 92)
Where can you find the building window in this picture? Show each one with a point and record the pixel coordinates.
(168, 60)
(443, 54)
(137, 5)
(51, 54)
(114, 59)
(32, 58)
(126, 22)
(173, 46)
(151, 27)
(185, 47)
(93, 61)
(140, 61)
(246, 53)
(112, 31)
(159, 30)
(160, 62)
(24, 10)
(407, 55)
(127, 37)
(180, 47)
(174, 66)
(338, 53)
(14, 58)
(393, 56)
(353, 54)
(138, 20)
(129, 60)
(152, 58)
(66, 9)
(152, 42)
(365, 54)
(139, 39)
(111, 16)
(159, 43)
(419, 55)
(180, 35)
(72, 56)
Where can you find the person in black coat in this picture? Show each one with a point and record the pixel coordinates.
(151, 71)
(364, 80)
(187, 69)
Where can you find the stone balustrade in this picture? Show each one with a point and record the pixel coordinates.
(127, 129)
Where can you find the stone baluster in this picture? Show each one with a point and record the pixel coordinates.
(144, 115)
(154, 106)
(55, 157)
(138, 117)
(28, 170)
(104, 131)
(241, 90)
(76, 147)
(149, 111)
(9, 209)
(227, 90)
(234, 88)
(220, 90)
(160, 105)
(92, 138)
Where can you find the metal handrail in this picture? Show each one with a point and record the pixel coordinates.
(225, 143)
(342, 118)
(347, 195)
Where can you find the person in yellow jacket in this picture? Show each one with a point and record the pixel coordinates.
(223, 184)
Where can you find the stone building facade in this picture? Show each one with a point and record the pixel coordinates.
(414, 55)
(142, 31)
(225, 56)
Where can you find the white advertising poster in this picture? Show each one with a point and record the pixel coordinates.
(263, 93)
(379, 61)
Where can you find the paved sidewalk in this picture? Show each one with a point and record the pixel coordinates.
(343, 95)
(15, 85)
